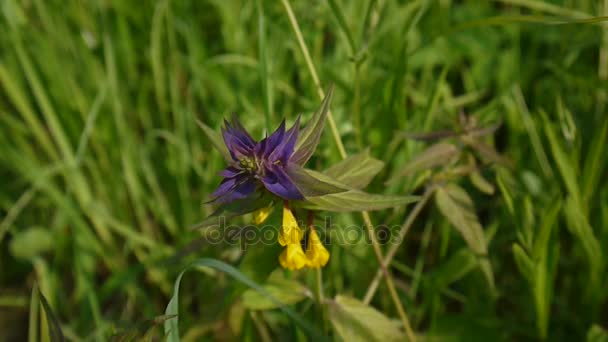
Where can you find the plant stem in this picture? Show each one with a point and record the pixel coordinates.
(340, 145)
(371, 290)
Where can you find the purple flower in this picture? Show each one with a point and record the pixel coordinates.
(257, 164)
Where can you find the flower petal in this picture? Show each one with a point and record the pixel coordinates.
(285, 149)
(316, 253)
(274, 139)
(241, 189)
(279, 183)
(230, 172)
(293, 257)
(237, 140)
(290, 231)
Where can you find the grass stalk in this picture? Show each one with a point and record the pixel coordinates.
(366, 218)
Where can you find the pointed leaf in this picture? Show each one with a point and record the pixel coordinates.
(523, 262)
(356, 171)
(216, 140)
(312, 183)
(355, 200)
(53, 327)
(481, 183)
(355, 321)
(435, 155)
(458, 265)
(456, 205)
(309, 136)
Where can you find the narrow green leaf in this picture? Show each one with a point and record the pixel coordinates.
(356, 171)
(481, 183)
(579, 226)
(354, 321)
(53, 327)
(523, 262)
(216, 140)
(564, 163)
(355, 200)
(335, 8)
(547, 224)
(595, 161)
(34, 314)
(456, 205)
(309, 136)
(172, 327)
(433, 156)
(458, 265)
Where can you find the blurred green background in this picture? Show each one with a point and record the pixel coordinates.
(104, 169)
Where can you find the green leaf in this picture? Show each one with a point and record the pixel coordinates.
(355, 200)
(216, 140)
(356, 171)
(594, 161)
(458, 265)
(435, 155)
(287, 291)
(53, 326)
(456, 205)
(30, 243)
(565, 164)
(597, 334)
(579, 226)
(312, 183)
(523, 262)
(354, 321)
(481, 183)
(172, 326)
(309, 136)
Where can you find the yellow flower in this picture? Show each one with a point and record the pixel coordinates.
(316, 253)
(290, 233)
(293, 257)
(260, 215)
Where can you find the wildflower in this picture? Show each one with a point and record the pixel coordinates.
(263, 173)
(264, 163)
(293, 257)
(290, 232)
(316, 254)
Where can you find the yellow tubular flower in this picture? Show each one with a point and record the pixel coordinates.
(260, 215)
(316, 253)
(293, 257)
(290, 233)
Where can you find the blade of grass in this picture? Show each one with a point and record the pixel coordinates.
(171, 325)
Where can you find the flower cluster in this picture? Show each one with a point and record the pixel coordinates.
(265, 165)
(293, 256)
(270, 171)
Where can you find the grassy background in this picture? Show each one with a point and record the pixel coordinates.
(103, 168)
